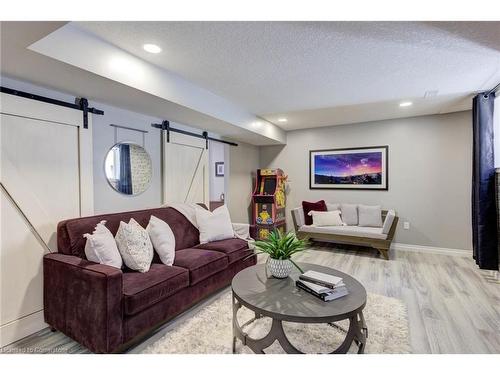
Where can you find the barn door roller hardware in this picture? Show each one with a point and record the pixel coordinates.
(494, 89)
(80, 104)
(165, 125)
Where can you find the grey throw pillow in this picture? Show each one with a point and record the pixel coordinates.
(349, 213)
(370, 216)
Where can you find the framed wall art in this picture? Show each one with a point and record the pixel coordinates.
(219, 169)
(363, 168)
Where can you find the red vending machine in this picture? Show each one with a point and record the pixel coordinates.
(269, 201)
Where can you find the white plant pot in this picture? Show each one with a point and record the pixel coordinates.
(279, 268)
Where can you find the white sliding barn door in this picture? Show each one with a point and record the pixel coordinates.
(185, 170)
(46, 177)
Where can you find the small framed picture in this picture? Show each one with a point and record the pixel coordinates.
(219, 169)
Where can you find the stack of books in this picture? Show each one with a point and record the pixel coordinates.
(324, 286)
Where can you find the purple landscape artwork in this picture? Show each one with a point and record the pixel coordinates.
(341, 168)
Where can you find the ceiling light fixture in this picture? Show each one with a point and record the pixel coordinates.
(151, 48)
(282, 119)
(405, 104)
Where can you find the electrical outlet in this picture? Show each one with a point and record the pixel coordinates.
(406, 225)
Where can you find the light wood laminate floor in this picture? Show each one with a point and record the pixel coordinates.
(452, 307)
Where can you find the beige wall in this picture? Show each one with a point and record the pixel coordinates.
(429, 173)
(243, 162)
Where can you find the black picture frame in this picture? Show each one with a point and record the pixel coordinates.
(383, 186)
(219, 169)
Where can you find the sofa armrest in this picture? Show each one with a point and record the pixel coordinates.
(253, 231)
(388, 220)
(298, 217)
(390, 224)
(83, 299)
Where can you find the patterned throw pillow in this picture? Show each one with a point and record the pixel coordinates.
(135, 246)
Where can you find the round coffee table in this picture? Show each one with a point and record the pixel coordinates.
(281, 300)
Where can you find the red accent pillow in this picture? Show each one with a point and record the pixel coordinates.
(312, 206)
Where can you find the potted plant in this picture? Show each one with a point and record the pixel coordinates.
(280, 248)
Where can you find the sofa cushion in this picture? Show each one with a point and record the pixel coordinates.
(163, 240)
(101, 247)
(143, 289)
(332, 206)
(134, 246)
(234, 248)
(349, 213)
(367, 232)
(214, 226)
(328, 218)
(369, 216)
(201, 263)
(312, 206)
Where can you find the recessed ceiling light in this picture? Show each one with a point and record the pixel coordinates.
(151, 48)
(282, 119)
(405, 104)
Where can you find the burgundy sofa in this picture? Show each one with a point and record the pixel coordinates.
(107, 309)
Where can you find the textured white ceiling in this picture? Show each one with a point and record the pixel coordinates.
(19, 62)
(323, 73)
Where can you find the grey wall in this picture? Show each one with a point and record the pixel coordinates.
(243, 163)
(429, 173)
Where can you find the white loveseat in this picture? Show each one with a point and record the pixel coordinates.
(379, 238)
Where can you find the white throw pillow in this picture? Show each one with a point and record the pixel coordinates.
(370, 216)
(326, 218)
(163, 239)
(134, 245)
(101, 247)
(389, 218)
(214, 226)
(349, 213)
(332, 206)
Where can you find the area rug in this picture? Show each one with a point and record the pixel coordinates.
(210, 331)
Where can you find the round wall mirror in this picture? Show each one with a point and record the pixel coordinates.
(128, 168)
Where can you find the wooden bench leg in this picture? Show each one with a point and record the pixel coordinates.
(384, 253)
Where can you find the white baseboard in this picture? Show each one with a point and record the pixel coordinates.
(431, 249)
(21, 328)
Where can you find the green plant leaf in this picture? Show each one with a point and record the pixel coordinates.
(296, 265)
(281, 245)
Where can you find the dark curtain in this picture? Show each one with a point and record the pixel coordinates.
(484, 218)
(125, 181)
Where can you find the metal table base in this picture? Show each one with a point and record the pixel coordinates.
(357, 333)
